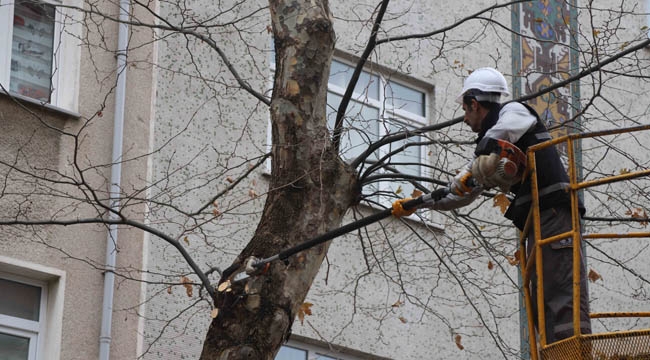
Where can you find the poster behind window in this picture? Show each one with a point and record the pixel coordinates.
(32, 50)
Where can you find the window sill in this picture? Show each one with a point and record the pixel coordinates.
(50, 107)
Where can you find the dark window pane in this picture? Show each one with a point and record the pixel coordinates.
(13, 347)
(19, 300)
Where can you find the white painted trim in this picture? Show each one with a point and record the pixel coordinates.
(647, 17)
(54, 279)
(69, 22)
(146, 237)
(66, 58)
(6, 27)
(40, 103)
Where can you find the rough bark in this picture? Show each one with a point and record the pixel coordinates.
(310, 190)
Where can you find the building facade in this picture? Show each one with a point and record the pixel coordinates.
(155, 113)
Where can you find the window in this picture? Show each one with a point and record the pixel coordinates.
(31, 310)
(39, 56)
(299, 351)
(22, 314)
(380, 106)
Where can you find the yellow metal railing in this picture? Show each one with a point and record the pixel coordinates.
(606, 346)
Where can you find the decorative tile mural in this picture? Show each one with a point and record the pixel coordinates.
(542, 56)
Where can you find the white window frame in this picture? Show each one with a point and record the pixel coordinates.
(386, 113)
(313, 351)
(34, 330)
(48, 330)
(647, 10)
(65, 60)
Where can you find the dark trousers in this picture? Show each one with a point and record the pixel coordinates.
(558, 278)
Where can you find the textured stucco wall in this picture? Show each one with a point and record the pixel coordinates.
(207, 134)
(34, 138)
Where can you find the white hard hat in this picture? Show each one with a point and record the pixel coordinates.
(487, 80)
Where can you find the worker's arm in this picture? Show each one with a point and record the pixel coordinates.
(462, 191)
(453, 201)
(514, 121)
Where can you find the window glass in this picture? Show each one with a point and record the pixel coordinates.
(13, 347)
(404, 98)
(368, 85)
(405, 161)
(360, 126)
(32, 49)
(20, 300)
(290, 353)
(324, 357)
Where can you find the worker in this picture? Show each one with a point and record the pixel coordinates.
(520, 125)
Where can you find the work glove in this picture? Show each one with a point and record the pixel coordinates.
(398, 208)
(461, 184)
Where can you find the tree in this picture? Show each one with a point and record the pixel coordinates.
(311, 186)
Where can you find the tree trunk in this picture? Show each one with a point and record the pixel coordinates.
(310, 190)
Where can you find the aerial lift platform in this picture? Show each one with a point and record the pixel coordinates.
(618, 345)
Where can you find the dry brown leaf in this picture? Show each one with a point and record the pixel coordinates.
(490, 265)
(187, 240)
(169, 290)
(416, 193)
(216, 212)
(638, 213)
(397, 303)
(305, 309)
(230, 179)
(514, 259)
(399, 190)
(594, 276)
(214, 313)
(457, 340)
(501, 201)
(403, 319)
(624, 171)
(187, 283)
(252, 193)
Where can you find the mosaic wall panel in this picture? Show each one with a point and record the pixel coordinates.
(542, 56)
